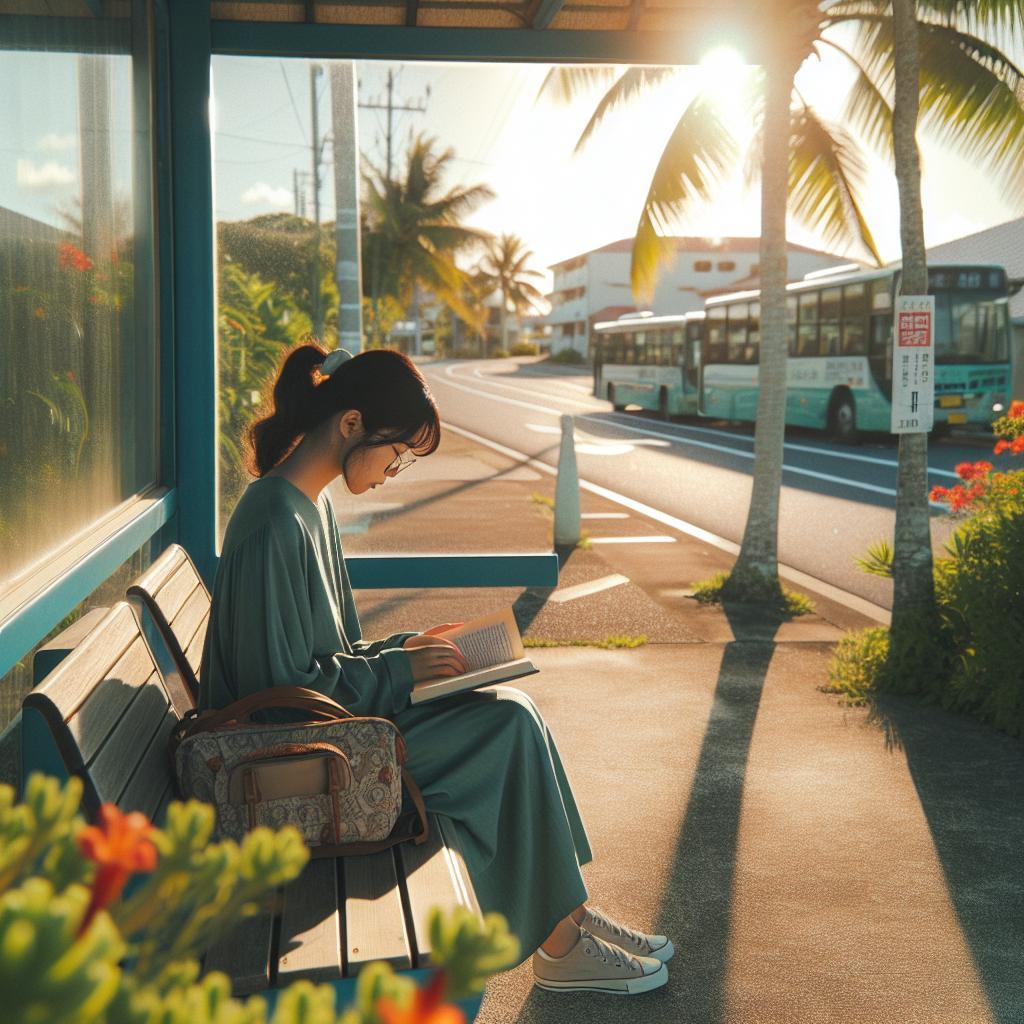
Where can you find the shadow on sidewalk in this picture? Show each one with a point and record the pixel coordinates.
(970, 780)
(697, 907)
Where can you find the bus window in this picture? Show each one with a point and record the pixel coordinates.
(639, 347)
(807, 332)
(881, 295)
(971, 328)
(829, 318)
(715, 327)
(737, 333)
(678, 357)
(854, 341)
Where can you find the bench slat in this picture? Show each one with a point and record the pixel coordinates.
(191, 617)
(163, 569)
(310, 940)
(170, 597)
(73, 680)
(152, 778)
(374, 919)
(117, 760)
(194, 654)
(98, 715)
(243, 954)
(460, 873)
(432, 879)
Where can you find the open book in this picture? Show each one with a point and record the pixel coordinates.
(494, 649)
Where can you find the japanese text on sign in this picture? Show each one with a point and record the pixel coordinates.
(913, 356)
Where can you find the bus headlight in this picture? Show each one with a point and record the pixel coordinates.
(997, 407)
(998, 403)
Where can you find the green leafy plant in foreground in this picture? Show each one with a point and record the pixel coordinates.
(72, 950)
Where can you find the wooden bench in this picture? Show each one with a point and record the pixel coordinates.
(104, 713)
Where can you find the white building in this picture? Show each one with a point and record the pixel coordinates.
(595, 285)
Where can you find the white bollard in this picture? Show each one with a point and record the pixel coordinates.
(567, 490)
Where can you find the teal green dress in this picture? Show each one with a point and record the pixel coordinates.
(283, 615)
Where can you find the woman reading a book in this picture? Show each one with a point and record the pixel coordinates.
(283, 615)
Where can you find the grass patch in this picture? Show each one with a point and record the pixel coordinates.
(609, 643)
(709, 591)
(858, 664)
(547, 509)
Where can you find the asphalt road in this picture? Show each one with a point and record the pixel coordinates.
(836, 499)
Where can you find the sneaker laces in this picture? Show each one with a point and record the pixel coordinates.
(606, 950)
(619, 930)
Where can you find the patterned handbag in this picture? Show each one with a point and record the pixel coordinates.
(336, 777)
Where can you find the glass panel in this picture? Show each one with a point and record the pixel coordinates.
(854, 338)
(830, 304)
(737, 333)
(791, 314)
(971, 327)
(78, 368)
(829, 339)
(715, 326)
(854, 303)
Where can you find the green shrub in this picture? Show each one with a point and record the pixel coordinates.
(524, 348)
(567, 357)
(500, 353)
(972, 659)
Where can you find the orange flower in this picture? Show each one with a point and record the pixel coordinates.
(72, 258)
(40, 313)
(1016, 410)
(120, 846)
(973, 470)
(426, 1008)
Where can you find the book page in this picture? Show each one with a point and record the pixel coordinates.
(490, 640)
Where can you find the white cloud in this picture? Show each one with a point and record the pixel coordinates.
(263, 194)
(50, 175)
(54, 143)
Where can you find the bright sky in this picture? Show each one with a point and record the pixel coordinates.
(559, 202)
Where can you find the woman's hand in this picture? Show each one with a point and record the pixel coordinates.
(433, 656)
(443, 628)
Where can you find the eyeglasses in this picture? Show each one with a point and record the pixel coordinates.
(402, 460)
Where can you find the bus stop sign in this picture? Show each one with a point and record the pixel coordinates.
(913, 365)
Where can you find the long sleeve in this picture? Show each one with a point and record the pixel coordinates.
(277, 624)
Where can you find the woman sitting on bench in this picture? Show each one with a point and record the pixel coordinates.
(283, 615)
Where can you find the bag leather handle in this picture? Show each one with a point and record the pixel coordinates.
(322, 708)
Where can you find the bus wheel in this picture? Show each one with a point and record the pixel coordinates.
(611, 398)
(842, 418)
(663, 403)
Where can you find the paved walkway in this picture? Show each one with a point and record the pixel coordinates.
(810, 863)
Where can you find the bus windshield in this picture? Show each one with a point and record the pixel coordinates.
(971, 327)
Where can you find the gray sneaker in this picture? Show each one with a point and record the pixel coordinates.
(637, 943)
(594, 965)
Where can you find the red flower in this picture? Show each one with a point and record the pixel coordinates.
(1001, 446)
(938, 494)
(72, 258)
(70, 374)
(120, 846)
(973, 470)
(426, 1008)
(1016, 410)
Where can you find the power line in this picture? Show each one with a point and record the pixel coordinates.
(295, 108)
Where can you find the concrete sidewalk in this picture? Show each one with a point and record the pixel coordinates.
(810, 864)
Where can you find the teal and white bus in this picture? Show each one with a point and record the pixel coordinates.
(650, 361)
(839, 326)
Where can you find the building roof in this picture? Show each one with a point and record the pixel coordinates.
(696, 243)
(1002, 245)
(17, 225)
(611, 313)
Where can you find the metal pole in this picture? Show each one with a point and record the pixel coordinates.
(567, 489)
(348, 257)
(318, 320)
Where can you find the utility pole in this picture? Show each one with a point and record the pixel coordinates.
(348, 257)
(390, 107)
(318, 319)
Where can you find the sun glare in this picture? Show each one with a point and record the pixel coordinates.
(724, 77)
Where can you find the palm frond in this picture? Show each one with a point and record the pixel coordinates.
(564, 84)
(1000, 16)
(972, 97)
(826, 173)
(868, 110)
(632, 83)
(696, 158)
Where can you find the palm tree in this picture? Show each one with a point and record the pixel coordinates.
(415, 230)
(968, 97)
(504, 269)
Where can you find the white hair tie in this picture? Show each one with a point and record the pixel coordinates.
(334, 360)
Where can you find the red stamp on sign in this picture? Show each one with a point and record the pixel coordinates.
(914, 329)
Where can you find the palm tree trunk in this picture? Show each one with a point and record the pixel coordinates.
(755, 576)
(914, 587)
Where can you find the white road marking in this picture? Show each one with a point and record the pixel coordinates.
(586, 589)
(803, 579)
(604, 515)
(650, 539)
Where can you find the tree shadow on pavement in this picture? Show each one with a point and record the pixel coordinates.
(696, 909)
(970, 780)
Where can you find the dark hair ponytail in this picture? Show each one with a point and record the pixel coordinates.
(385, 386)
